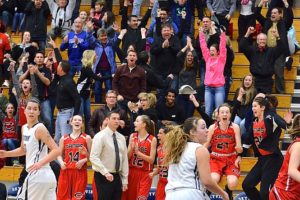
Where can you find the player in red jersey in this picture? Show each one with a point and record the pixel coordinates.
(141, 155)
(162, 170)
(287, 185)
(73, 175)
(225, 141)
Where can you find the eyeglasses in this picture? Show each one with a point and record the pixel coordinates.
(111, 97)
(143, 99)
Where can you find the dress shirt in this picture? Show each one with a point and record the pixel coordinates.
(103, 155)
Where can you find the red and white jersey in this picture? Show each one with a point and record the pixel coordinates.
(144, 147)
(163, 170)
(9, 126)
(259, 133)
(71, 150)
(284, 181)
(223, 141)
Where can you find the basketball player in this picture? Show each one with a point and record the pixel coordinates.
(141, 155)
(162, 170)
(40, 182)
(287, 185)
(188, 161)
(225, 141)
(75, 147)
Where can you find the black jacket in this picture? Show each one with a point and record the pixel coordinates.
(261, 62)
(274, 125)
(281, 27)
(164, 59)
(36, 21)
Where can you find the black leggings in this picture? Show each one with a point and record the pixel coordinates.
(264, 171)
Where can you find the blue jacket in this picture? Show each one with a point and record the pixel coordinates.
(98, 47)
(75, 51)
(176, 10)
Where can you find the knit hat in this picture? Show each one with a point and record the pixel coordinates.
(187, 89)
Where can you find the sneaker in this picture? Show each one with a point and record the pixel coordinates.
(5, 84)
(289, 63)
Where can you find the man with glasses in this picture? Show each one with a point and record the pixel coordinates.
(97, 121)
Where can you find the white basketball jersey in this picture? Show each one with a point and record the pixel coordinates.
(185, 173)
(35, 149)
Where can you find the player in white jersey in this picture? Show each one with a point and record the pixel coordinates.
(189, 170)
(40, 182)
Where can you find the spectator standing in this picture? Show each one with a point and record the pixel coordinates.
(7, 12)
(61, 12)
(4, 49)
(164, 51)
(215, 59)
(105, 63)
(67, 104)
(246, 17)
(109, 160)
(129, 80)
(84, 84)
(222, 11)
(276, 23)
(19, 16)
(163, 16)
(76, 44)
(36, 13)
(25, 47)
(261, 58)
(187, 58)
(99, 115)
(134, 35)
(43, 78)
(10, 137)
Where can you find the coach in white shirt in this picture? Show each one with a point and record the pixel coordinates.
(109, 160)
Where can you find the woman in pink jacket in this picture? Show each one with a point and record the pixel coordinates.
(215, 59)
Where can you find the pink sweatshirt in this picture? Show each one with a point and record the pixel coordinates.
(214, 66)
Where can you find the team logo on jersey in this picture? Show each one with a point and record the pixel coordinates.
(78, 195)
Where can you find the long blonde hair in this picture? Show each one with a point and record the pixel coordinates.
(249, 92)
(88, 58)
(176, 140)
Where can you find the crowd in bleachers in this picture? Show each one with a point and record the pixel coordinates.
(149, 65)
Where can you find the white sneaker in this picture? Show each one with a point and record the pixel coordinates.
(5, 84)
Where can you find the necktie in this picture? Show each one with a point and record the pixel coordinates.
(117, 166)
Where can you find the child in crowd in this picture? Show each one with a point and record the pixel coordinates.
(10, 137)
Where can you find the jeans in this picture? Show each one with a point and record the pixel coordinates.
(154, 9)
(62, 126)
(214, 97)
(184, 102)
(85, 109)
(46, 114)
(241, 123)
(74, 69)
(11, 144)
(137, 7)
(18, 22)
(6, 18)
(98, 85)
